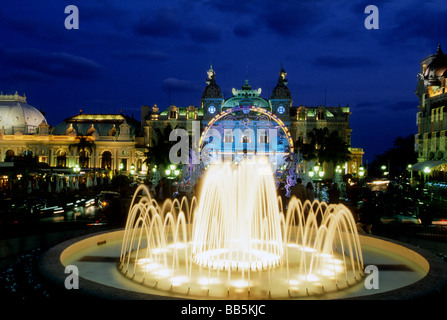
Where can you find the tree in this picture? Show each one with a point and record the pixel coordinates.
(397, 158)
(334, 150)
(158, 151)
(324, 147)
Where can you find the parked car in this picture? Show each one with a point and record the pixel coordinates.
(108, 200)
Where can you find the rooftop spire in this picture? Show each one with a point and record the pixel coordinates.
(439, 51)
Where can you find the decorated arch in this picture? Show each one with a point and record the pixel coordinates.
(243, 131)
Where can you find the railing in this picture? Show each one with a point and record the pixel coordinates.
(430, 232)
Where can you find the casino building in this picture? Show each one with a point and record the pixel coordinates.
(247, 123)
(242, 125)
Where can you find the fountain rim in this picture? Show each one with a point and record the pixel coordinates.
(52, 268)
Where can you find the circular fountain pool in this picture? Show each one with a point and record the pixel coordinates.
(405, 272)
(236, 242)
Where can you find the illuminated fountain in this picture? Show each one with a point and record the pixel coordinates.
(236, 241)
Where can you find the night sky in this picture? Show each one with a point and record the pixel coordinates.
(131, 53)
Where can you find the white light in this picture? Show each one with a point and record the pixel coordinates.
(178, 281)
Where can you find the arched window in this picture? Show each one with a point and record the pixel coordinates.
(61, 159)
(84, 159)
(106, 160)
(9, 155)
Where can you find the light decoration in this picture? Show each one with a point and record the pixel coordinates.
(252, 109)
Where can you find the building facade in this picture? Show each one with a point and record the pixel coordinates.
(245, 121)
(430, 140)
(90, 141)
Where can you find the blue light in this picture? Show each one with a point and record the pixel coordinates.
(281, 110)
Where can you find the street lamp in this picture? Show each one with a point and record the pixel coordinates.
(172, 172)
(76, 168)
(132, 169)
(361, 172)
(427, 172)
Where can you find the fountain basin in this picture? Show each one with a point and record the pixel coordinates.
(405, 272)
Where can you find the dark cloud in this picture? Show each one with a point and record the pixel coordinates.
(292, 18)
(49, 64)
(165, 22)
(170, 23)
(148, 55)
(330, 61)
(244, 30)
(205, 33)
(386, 106)
(402, 105)
(233, 6)
(414, 22)
(179, 85)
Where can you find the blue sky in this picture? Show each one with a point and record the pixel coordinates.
(131, 53)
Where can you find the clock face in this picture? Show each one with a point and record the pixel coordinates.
(212, 109)
(281, 110)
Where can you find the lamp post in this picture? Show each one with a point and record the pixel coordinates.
(384, 170)
(427, 172)
(411, 173)
(172, 172)
(361, 172)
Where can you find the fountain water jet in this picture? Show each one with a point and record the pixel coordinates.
(236, 241)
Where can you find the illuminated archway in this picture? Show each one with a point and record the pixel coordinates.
(246, 110)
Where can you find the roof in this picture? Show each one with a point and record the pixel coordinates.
(16, 114)
(420, 166)
(96, 118)
(104, 124)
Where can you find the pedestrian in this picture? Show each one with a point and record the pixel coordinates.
(310, 193)
(161, 190)
(299, 191)
(151, 190)
(334, 194)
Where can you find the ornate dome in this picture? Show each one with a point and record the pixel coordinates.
(281, 91)
(16, 115)
(212, 90)
(436, 68)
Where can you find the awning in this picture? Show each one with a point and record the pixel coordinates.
(420, 166)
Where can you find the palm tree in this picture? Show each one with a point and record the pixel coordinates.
(158, 151)
(307, 150)
(324, 147)
(334, 150)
